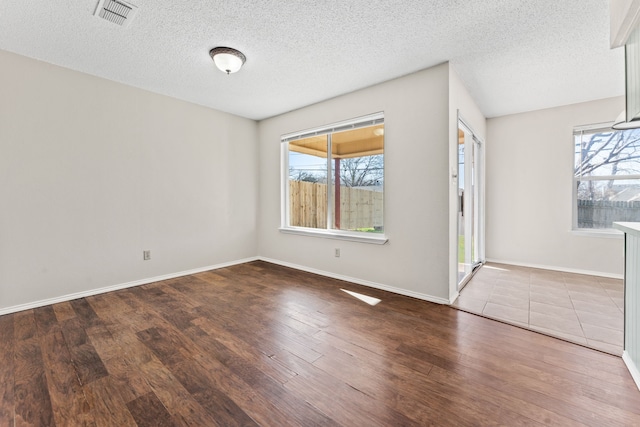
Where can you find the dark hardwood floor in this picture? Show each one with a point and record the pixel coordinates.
(260, 344)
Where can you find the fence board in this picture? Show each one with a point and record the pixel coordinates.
(602, 213)
(359, 208)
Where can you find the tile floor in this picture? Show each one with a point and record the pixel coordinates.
(583, 309)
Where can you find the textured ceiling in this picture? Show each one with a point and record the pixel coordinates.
(513, 56)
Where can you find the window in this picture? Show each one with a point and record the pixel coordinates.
(606, 184)
(333, 180)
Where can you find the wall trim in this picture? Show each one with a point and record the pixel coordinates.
(91, 292)
(633, 369)
(97, 291)
(555, 268)
(453, 297)
(362, 282)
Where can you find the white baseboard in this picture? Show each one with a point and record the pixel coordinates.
(91, 292)
(98, 291)
(555, 268)
(633, 369)
(375, 285)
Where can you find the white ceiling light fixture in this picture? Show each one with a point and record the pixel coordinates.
(227, 59)
(621, 122)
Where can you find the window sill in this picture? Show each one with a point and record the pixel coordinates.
(609, 233)
(376, 239)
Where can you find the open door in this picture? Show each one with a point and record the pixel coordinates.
(469, 204)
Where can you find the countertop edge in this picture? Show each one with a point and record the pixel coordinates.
(628, 227)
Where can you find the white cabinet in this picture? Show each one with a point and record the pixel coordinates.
(631, 353)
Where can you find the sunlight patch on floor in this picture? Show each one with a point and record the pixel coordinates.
(365, 298)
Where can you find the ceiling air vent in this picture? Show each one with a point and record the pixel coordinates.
(116, 11)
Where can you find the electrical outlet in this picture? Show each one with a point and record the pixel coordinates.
(337, 252)
(146, 255)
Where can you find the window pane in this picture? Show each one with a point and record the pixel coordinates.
(308, 182)
(336, 176)
(604, 153)
(358, 179)
(602, 202)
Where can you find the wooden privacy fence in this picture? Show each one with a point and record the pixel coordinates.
(602, 213)
(359, 208)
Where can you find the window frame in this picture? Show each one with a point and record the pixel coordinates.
(575, 229)
(330, 233)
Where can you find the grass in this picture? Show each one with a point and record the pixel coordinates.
(369, 230)
(461, 250)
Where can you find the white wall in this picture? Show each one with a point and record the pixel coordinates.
(529, 166)
(460, 103)
(415, 260)
(92, 172)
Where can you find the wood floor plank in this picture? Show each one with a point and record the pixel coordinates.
(270, 366)
(246, 379)
(183, 407)
(87, 362)
(179, 355)
(558, 379)
(107, 408)
(527, 389)
(181, 299)
(341, 401)
(170, 348)
(24, 325)
(32, 402)
(148, 411)
(265, 407)
(108, 305)
(133, 351)
(85, 312)
(64, 311)
(126, 378)
(556, 352)
(194, 378)
(7, 369)
(212, 278)
(103, 342)
(528, 409)
(261, 344)
(540, 376)
(268, 340)
(46, 320)
(123, 375)
(70, 406)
